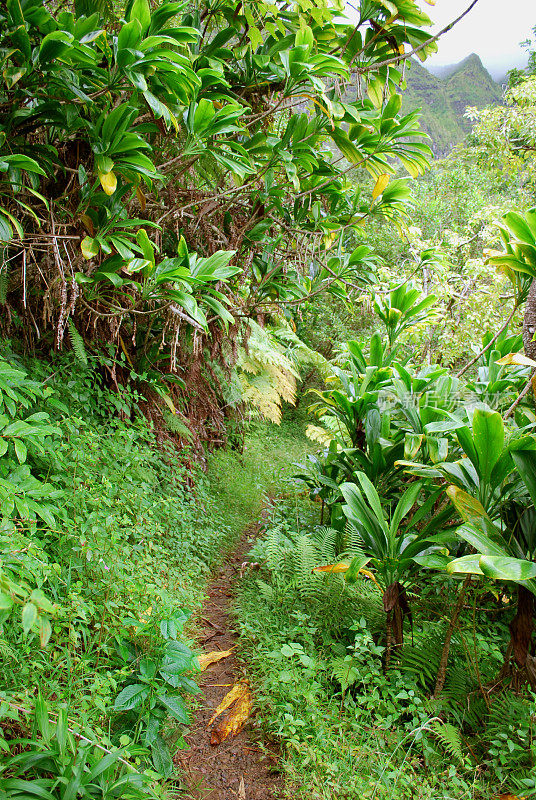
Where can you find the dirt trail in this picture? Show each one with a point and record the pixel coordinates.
(238, 767)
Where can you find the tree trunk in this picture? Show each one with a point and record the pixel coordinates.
(521, 627)
(442, 671)
(395, 604)
(520, 665)
(529, 323)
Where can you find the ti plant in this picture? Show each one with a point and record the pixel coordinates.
(403, 308)
(391, 544)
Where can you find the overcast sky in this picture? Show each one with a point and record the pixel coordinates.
(493, 29)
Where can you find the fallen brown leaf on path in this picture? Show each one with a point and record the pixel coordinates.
(236, 692)
(206, 659)
(242, 790)
(233, 722)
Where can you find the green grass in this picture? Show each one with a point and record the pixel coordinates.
(239, 481)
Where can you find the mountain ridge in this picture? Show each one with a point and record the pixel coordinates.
(443, 94)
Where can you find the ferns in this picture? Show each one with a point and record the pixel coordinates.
(77, 343)
(290, 558)
(450, 738)
(267, 376)
(305, 558)
(345, 672)
(176, 425)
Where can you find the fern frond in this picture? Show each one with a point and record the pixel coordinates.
(344, 671)
(450, 738)
(321, 435)
(77, 343)
(176, 425)
(267, 377)
(305, 558)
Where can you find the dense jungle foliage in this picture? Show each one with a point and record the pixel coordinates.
(233, 277)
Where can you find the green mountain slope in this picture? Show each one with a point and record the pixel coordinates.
(443, 98)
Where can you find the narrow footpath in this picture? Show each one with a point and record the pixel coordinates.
(240, 766)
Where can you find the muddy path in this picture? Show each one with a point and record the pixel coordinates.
(239, 767)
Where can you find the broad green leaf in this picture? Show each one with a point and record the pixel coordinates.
(488, 432)
(525, 461)
(161, 757)
(29, 616)
(507, 569)
(42, 601)
(176, 708)
(141, 12)
(131, 697)
(404, 505)
(467, 565)
(54, 46)
(375, 91)
(354, 568)
(373, 498)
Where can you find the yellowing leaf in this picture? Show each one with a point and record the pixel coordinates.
(141, 198)
(381, 183)
(238, 691)
(206, 659)
(467, 506)
(233, 722)
(375, 92)
(169, 403)
(517, 359)
(89, 247)
(125, 351)
(108, 182)
(368, 574)
(342, 566)
(87, 222)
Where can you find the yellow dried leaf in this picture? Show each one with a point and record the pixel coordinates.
(206, 659)
(342, 566)
(368, 574)
(381, 183)
(233, 722)
(108, 182)
(236, 692)
(517, 359)
(141, 198)
(87, 222)
(125, 351)
(169, 403)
